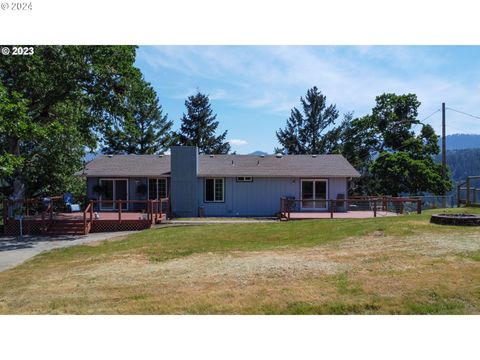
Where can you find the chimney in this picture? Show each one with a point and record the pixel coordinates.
(183, 180)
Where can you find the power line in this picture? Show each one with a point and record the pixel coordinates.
(464, 113)
(429, 116)
(420, 123)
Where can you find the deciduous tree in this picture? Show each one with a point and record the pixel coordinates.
(391, 157)
(65, 94)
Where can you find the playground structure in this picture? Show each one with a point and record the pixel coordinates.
(467, 192)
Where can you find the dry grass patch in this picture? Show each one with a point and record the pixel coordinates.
(379, 266)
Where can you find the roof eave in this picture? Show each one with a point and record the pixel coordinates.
(296, 175)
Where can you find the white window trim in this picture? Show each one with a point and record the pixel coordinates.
(244, 179)
(214, 184)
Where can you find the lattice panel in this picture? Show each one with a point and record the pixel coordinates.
(12, 227)
(114, 225)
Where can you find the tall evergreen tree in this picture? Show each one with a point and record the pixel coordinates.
(305, 131)
(140, 127)
(199, 125)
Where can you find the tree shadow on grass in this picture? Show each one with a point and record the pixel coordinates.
(10, 243)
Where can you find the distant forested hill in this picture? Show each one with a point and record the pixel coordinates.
(462, 163)
(463, 155)
(258, 153)
(462, 141)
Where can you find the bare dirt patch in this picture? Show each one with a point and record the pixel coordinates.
(233, 267)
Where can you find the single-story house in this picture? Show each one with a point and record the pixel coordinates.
(218, 185)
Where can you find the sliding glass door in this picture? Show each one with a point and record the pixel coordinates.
(106, 198)
(113, 190)
(314, 194)
(157, 189)
(121, 192)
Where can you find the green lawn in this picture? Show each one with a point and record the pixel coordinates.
(385, 265)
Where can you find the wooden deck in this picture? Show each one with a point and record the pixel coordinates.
(354, 207)
(53, 221)
(339, 215)
(73, 223)
(103, 215)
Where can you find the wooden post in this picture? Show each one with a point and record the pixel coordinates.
(151, 209)
(119, 204)
(91, 211)
(467, 203)
(331, 208)
(458, 195)
(84, 223)
(444, 153)
(281, 207)
(419, 206)
(161, 209)
(401, 206)
(148, 210)
(375, 208)
(5, 213)
(43, 221)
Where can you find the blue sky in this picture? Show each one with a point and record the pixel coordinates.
(253, 88)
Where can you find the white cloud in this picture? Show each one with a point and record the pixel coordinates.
(237, 142)
(218, 94)
(272, 78)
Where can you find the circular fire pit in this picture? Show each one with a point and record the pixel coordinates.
(456, 219)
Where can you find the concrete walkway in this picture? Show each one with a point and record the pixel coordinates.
(15, 250)
(210, 221)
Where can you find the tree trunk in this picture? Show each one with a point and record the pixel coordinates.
(18, 184)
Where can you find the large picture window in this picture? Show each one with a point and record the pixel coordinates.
(214, 190)
(157, 189)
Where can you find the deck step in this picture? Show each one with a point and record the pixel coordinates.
(67, 227)
(66, 233)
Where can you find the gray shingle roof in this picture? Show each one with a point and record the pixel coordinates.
(270, 165)
(127, 165)
(224, 165)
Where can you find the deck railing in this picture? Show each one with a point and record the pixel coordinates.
(88, 210)
(468, 192)
(27, 208)
(354, 203)
(44, 212)
(47, 217)
(155, 209)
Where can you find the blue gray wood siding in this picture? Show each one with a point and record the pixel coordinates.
(261, 197)
(133, 183)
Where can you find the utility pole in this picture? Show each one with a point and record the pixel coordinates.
(444, 153)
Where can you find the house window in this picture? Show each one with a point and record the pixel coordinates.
(244, 179)
(214, 190)
(157, 189)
